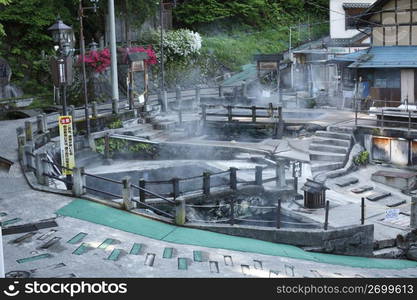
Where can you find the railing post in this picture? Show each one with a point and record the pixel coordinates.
(356, 111)
(164, 101)
(363, 210)
(40, 168)
(94, 110)
(28, 131)
(29, 157)
(229, 113)
(40, 122)
(409, 121)
(280, 127)
(280, 174)
(221, 91)
(244, 90)
(197, 95)
(326, 217)
(413, 213)
(235, 93)
(204, 113)
(206, 183)
(178, 95)
(180, 211)
(232, 212)
(127, 193)
(78, 182)
(258, 175)
(142, 194)
(115, 106)
(175, 188)
(382, 118)
(20, 148)
(233, 178)
(107, 146)
(74, 127)
(180, 116)
(279, 213)
(253, 109)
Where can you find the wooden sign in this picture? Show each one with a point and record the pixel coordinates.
(138, 66)
(270, 65)
(66, 139)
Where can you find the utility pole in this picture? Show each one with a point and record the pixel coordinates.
(84, 72)
(161, 20)
(114, 75)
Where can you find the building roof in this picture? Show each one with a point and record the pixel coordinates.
(356, 5)
(312, 186)
(355, 41)
(387, 57)
(351, 57)
(362, 21)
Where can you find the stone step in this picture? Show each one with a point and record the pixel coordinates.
(378, 196)
(328, 148)
(343, 182)
(335, 128)
(327, 156)
(329, 166)
(331, 142)
(362, 189)
(334, 135)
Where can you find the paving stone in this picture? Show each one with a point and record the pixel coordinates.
(168, 253)
(77, 238)
(257, 264)
(136, 249)
(50, 243)
(23, 237)
(289, 270)
(378, 196)
(83, 248)
(245, 269)
(395, 202)
(115, 254)
(214, 267)
(197, 256)
(150, 259)
(182, 263)
(46, 235)
(106, 243)
(273, 274)
(228, 260)
(33, 258)
(346, 181)
(362, 189)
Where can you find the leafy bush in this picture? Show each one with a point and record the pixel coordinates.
(362, 158)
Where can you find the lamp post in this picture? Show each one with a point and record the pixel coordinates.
(161, 20)
(62, 37)
(81, 15)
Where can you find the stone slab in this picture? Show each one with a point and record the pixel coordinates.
(346, 181)
(398, 180)
(395, 202)
(378, 196)
(362, 189)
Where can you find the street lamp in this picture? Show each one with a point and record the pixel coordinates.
(82, 48)
(62, 36)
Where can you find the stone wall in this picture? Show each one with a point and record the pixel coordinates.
(352, 240)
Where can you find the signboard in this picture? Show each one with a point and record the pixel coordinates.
(297, 169)
(270, 65)
(138, 66)
(67, 144)
(392, 214)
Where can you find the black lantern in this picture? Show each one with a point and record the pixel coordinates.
(61, 33)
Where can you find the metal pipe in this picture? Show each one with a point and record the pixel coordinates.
(84, 72)
(114, 75)
(161, 20)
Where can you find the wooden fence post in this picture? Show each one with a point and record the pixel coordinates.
(78, 182)
(253, 108)
(232, 212)
(233, 178)
(258, 175)
(279, 214)
(115, 106)
(40, 168)
(204, 113)
(28, 131)
(221, 91)
(94, 109)
(175, 188)
(206, 183)
(326, 217)
(229, 113)
(180, 211)
(107, 146)
(142, 194)
(127, 193)
(197, 95)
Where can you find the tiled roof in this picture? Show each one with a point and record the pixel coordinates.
(356, 5)
(387, 57)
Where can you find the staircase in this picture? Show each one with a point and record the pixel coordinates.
(330, 149)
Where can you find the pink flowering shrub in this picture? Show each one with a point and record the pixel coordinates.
(100, 60)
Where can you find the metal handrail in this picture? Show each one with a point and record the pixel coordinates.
(152, 193)
(103, 192)
(102, 178)
(154, 209)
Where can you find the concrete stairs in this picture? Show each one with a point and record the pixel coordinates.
(330, 149)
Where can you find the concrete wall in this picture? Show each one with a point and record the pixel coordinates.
(354, 240)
